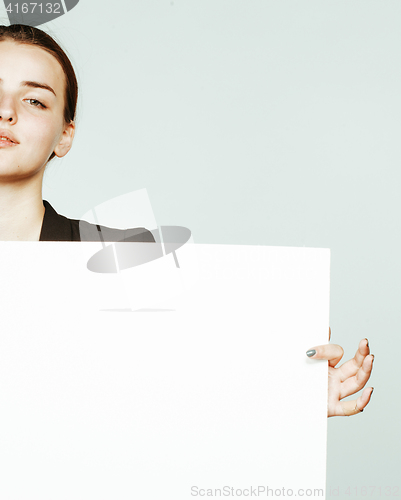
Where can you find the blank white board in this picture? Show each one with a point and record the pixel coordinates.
(199, 388)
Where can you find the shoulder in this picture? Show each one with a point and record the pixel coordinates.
(85, 231)
(56, 227)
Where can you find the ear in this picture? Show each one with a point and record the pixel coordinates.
(66, 139)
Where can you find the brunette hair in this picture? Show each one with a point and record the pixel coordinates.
(30, 35)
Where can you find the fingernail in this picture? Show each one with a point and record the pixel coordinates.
(311, 352)
(373, 357)
(372, 391)
(367, 341)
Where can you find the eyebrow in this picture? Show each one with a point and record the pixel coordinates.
(35, 85)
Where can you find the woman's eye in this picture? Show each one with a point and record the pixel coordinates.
(36, 103)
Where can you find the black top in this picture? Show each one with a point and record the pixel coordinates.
(56, 227)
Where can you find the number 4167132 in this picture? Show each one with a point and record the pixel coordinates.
(38, 8)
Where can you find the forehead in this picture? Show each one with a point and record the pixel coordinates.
(23, 62)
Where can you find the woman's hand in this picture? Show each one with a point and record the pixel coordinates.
(347, 379)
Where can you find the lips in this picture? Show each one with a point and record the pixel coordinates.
(8, 136)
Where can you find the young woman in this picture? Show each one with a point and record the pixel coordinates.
(38, 102)
(38, 97)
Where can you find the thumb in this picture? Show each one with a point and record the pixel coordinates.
(332, 352)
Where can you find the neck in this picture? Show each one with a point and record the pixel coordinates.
(21, 210)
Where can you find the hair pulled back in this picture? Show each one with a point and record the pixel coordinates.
(30, 35)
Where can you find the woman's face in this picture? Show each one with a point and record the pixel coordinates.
(32, 84)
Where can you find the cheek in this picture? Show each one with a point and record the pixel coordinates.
(43, 133)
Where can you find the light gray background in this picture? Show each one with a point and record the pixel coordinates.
(259, 122)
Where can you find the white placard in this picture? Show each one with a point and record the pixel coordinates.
(207, 390)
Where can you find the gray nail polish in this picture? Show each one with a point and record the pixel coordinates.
(311, 352)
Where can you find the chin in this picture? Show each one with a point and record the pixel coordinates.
(12, 172)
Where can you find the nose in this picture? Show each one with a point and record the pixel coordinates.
(7, 110)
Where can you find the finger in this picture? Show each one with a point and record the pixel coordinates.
(329, 334)
(354, 384)
(355, 406)
(332, 352)
(350, 368)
